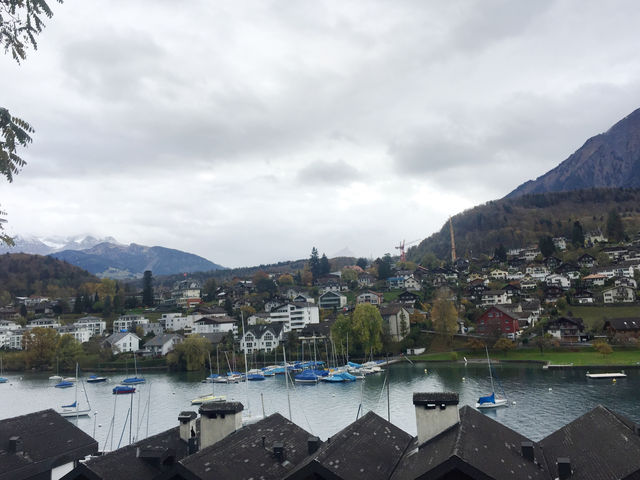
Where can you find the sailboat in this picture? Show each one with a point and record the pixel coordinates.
(211, 397)
(73, 410)
(491, 401)
(135, 379)
(247, 417)
(57, 376)
(3, 379)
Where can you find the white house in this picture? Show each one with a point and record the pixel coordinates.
(125, 322)
(261, 338)
(295, 315)
(82, 335)
(411, 284)
(215, 325)
(560, 243)
(620, 294)
(15, 338)
(186, 291)
(43, 323)
(558, 280)
(332, 300)
(498, 274)
(122, 342)
(495, 297)
(397, 317)
(95, 325)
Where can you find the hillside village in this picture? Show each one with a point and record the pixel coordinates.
(518, 294)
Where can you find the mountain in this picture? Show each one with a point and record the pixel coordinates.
(522, 220)
(130, 261)
(608, 160)
(50, 244)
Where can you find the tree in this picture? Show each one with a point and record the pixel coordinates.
(603, 348)
(191, 354)
(444, 316)
(341, 331)
(68, 350)
(504, 345)
(325, 266)
(314, 263)
(384, 267)
(285, 279)
(39, 346)
(147, 289)
(474, 344)
(209, 290)
(20, 22)
(367, 328)
(546, 246)
(615, 229)
(577, 235)
(542, 342)
(500, 253)
(362, 263)
(404, 325)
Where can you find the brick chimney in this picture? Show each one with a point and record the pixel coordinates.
(435, 413)
(217, 420)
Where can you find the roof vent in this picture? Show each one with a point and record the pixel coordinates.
(278, 451)
(564, 468)
(527, 450)
(15, 444)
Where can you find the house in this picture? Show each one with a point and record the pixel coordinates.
(587, 261)
(496, 321)
(594, 280)
(332, 300)
(582, 297)
(553, 294)
(175, 321)
(411, 284)
(41, 445)
(366, 280)
(43, 323)
(396, 316)
(569, 270)
(395, 283)
(371, 297)
(81, 335)
(567, 329)
(552, 262)
(95, 325)
(303, 298)
(498, 274)
(619, 294)
(626, 281)
(625, 326)
(495, 297)
(265, 338)
(615, 253)
(408, 298)
(160, 345)
(296, 315)
(594, 237)
(154, 328)
(215, 325)
(558, 280)
(538, 272)
(186, 292)
(512, 289)
(122, 342)
(560, 243)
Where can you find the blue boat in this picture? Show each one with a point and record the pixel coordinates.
(123, 389)
(252, 377)
(64, 384)
(133, 381)
(309, 376)
(96, 379)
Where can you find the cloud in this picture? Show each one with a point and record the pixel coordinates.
(335, 173)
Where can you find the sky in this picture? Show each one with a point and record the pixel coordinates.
(248, 132)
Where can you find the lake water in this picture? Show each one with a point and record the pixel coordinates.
(544, 399)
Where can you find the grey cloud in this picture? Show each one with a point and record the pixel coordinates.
(324, 172)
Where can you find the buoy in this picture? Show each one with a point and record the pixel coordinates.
(99, 425)
(514, 402)
(426, 371)
(550, 388)
(463, 379)
(614, 380)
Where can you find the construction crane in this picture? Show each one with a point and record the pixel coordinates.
(401, 248)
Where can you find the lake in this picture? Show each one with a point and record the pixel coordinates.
(540, 400)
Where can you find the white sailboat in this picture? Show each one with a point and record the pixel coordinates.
(211, 397)
(491, 401)
(57, 376)
(73, 409)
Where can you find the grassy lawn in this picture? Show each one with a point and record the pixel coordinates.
(390, 297)
(586, 356)
(593, 314)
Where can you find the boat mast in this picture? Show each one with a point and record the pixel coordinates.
(246, 371)
(490, 374)
(286, 380)
(76, 399)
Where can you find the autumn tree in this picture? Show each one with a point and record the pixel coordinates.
(444, 316)
(39, 345)
(190, 355)
(285, 279)
(474, 344)
(68, 350)
(603, 348)
(503, 345)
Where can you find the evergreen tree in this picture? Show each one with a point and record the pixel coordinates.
(325, 266)
(546, 246)
(314, 263)
(147, 289)
(500, 253)
(362, 263)
(384, 267)
(615, 229)
(577, 235)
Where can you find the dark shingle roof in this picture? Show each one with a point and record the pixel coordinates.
(368, 448)
(446, 398)
(249, 452)
(48, 440)
(600, 444)
(477, 445)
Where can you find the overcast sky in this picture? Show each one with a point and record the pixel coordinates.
(250, 131)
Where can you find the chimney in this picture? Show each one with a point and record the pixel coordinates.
(15, 445)
(435, 413)
(217, 420)
(187, 425)
(313, 444)
(527, 450)
(564, 468)
(278, 451)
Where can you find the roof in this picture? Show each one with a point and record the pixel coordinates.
(600, 445)
(116, 337)
(48, 440)
(368, 448)
(215, 320)
(213, 338)
(125, 462)
(622, 324)
(160, 340)
(259, 330)
(249, 452)
(391, 309)
(477, 446)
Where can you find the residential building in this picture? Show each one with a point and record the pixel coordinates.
(412, 284)
(496, 321)
(296, 315)
(567, 329)
(259, 338)
(43, 323)
(152, 327)
(81, 335)
(161, 345)
(42, 445)
(95, 325)
(587, 261)
(495, 297)
(397, 317)
(619, 294)
(215, 325)
(121, 342)
(186, 293)
(366, 280)
(128, 322)
(594, 280)
(374, 298)
(583, 297)
(332, 300)
(560, 243)
(625, 326)
(408, 298)
(498, 274)
(558, 280)
(15, 338)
